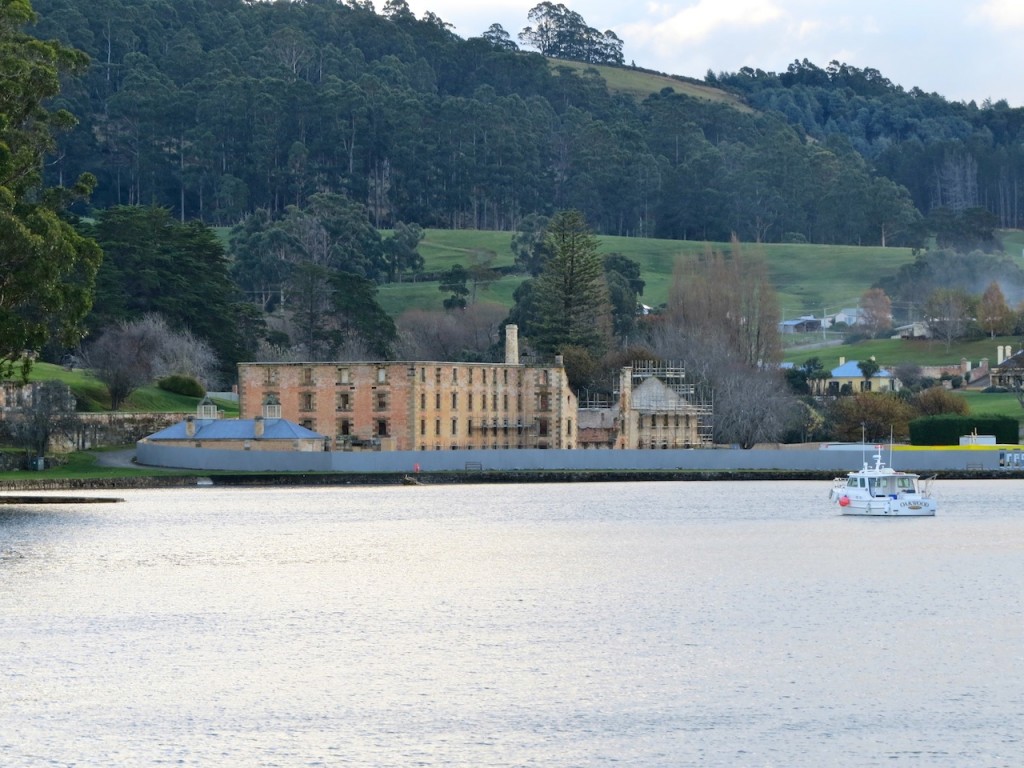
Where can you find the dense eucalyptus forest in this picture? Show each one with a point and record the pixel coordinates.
(215, 109)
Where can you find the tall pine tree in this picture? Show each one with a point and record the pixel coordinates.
(571, 291)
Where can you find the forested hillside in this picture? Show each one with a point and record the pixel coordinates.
(215, 109)
(951, 156)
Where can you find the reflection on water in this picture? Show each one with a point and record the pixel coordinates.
(657, 624)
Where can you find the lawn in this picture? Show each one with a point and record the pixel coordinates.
(891, 352)
(640, 84)
(993, 404)
(81, 465)
(92, 395)
(809, 279)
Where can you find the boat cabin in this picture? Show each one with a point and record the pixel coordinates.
(890, 485)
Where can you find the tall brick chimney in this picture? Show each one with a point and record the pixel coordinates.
(511, 345)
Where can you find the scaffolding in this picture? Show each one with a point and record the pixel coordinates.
(692, 398)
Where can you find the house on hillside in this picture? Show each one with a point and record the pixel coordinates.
(1009, 372)
(848, 373)
(850, 316)
(805, 324)
(915, 330)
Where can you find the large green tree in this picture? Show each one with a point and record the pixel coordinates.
(571, 291)
(46, 267)
(155, 264)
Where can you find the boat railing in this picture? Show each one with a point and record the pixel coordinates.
(926, 485)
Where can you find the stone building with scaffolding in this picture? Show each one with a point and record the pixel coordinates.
(655, 407)
(662, 409)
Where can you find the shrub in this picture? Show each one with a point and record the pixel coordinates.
(182, 385)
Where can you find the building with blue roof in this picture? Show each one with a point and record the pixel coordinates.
(848, 373)
(267, 432)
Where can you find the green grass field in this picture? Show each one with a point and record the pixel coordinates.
(993, 404)
(92, 394)
(640, 84)
(809, 278)
(889, 352)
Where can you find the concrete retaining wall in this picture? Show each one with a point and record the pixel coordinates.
(575, 460)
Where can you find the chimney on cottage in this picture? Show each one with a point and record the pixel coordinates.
(842, 361)
(559, 361)
(511, 345)
(257, 429)
(190, 426)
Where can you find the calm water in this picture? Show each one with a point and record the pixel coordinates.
(659, 624)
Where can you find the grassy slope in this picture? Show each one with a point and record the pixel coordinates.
(809, 278)
(640, 84)
(92, 395)
(993, 404)
(889, 352)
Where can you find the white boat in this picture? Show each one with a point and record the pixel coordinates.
(882, 491)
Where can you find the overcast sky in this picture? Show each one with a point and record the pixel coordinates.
(960, 49)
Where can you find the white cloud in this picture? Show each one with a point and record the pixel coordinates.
(1003, 13)
(696, 23)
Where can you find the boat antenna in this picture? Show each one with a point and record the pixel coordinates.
(890, 445)
(863, 444)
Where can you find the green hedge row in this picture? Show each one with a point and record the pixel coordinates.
(182, 385)
(949, 428)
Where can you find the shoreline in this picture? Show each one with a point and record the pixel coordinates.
(458, 477)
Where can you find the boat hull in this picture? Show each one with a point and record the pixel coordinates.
(890, 508)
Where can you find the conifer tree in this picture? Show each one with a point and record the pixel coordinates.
(571, 291)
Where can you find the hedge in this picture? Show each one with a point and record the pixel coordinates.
(949, 428)
(182, 385)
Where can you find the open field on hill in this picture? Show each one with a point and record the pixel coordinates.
(808, 278)
(641, 84)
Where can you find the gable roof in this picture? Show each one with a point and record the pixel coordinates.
(1013, 362)
(655, 396)
(237, 429)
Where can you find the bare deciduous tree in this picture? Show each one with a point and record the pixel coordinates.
(751, 405)
(729, 296)
(138, 352)
(877, 310)
(948, 312)
(463, 335)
